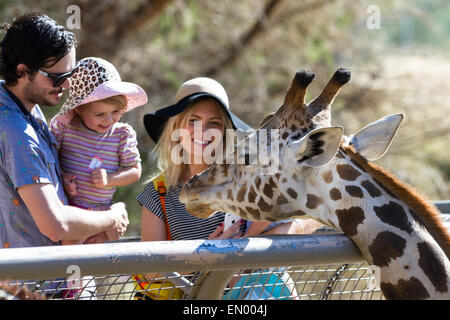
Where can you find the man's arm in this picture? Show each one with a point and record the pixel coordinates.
(60, 222)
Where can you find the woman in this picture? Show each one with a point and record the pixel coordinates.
(201, 108)
(186, 134)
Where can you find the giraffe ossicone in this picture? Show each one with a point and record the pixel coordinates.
(324, 175)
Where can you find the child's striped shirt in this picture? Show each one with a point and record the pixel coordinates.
(78, 146)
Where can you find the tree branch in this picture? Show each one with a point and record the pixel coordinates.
(135, 20)
(247, 38)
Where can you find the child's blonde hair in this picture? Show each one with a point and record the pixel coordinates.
(163, 149)
(119, 101)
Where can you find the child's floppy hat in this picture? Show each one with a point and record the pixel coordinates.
(97, 79)
(191, 91)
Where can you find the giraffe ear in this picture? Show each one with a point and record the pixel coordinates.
(374, 140)
(318, 147)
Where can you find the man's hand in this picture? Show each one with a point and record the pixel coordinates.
(99, 177)
(120, 217)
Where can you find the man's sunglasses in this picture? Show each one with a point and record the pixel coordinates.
(58, 78)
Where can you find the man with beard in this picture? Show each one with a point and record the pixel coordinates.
(37, 59)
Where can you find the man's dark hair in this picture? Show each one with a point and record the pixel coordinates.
(35, 40)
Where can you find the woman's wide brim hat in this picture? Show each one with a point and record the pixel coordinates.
(189, 92)
(97, 79)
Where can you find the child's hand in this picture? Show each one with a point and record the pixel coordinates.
(99, 177)
(69, 184)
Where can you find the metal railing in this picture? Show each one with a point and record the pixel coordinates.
(326, 266)
(318, 266)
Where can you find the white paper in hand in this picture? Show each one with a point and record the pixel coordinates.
(95, 163)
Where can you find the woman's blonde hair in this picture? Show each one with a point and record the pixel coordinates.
(163, 149)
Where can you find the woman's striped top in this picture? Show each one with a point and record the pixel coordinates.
(78, 145)
(182, 225)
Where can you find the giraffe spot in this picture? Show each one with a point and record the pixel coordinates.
(291, 192)
(230, 195)
(385, 247)
(327, 176)
(297, 213)
(411, 289)
(241, 193)
(347, 172)
(432, 266)
(254, 213)
(389, 192)
(349, 219)
(257, 182)
(312, 201)
(285, 135)
(264, 206)
(282, 199)
(251, 195)
(354, 191)
(357, 165)
(335, 194)
(284, 180)
(394, 214)
(371, 189)
(242, 213)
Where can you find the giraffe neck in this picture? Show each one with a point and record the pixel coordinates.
(388, 232)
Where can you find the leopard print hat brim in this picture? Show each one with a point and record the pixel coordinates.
(97, 79)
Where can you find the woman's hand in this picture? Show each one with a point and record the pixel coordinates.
(228, 234)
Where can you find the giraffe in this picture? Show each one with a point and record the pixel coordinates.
(324, 175)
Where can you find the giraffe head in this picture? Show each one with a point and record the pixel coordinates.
(312, 169)
(296, 139)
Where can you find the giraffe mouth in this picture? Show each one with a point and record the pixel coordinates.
(199, 210)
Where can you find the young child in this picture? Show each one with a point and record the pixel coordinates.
(97, 152)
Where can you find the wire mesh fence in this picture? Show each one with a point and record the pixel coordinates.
(320, 282)
(308, 267)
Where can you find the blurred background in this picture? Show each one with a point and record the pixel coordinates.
(397, 51)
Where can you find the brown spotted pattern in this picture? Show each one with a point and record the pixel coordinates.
(354, 191)
(387, 246)
(347, 172)
(349, 219)
(312, 201)
(327, 176)
(432, 267)
(393, 214)
(411, 289)
(335, 194)
(371, 189)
